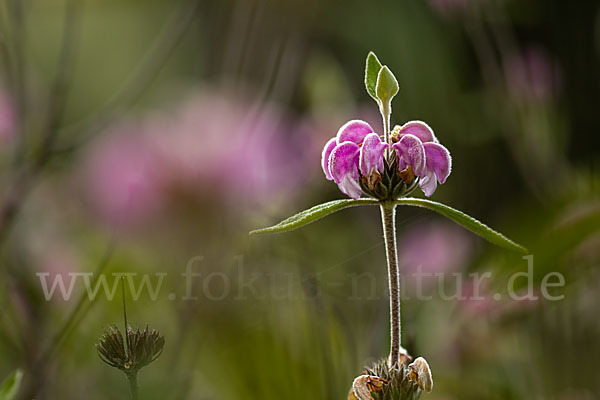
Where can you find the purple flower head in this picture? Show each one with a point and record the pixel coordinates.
(419, 151)
(355, 160)
(354, 152)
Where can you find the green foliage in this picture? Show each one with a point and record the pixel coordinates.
(372, 68)
(10, 386)
(466, 221)
(314, 213)
(322, 210)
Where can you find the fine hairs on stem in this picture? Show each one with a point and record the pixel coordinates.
(388, 220)
(385, 110)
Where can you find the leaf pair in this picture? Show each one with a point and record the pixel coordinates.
(380, 82)
(319, 211)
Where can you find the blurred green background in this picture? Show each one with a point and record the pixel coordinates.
(145, 136)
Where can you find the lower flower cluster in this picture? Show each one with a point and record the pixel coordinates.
(359, 162)
(383, 381)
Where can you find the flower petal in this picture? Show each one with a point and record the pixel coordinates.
(350, 187)
(371, 154)
(428, 183)
(325, 157)
(410, 150)
(438, 159)
(420, 129)
(354, 131)
(344, 161)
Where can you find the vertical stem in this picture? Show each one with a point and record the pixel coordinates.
(385, 114)
(385, 110)
(388, 219)
(133, 386)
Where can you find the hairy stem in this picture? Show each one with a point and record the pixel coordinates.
(385, 110)
(388, 219)
(133, 386)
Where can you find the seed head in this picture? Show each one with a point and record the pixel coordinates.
(139, 349)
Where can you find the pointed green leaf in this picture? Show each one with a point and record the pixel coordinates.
(466, 221)
(312, 214)
(10, 387)
(372, 68)
(387, 85)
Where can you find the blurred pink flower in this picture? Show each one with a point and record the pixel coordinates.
(434, 247)
(227, 145)
(7, 117)
(215, 145)
(480, 301)
(476, 300)
(123, 178)
(532, 74)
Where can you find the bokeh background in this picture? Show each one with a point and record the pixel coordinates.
(136, 136)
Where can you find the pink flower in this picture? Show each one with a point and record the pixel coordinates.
(355, 158)
(355, 148)
(418, 148)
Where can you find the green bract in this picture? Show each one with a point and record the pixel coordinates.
(387, 85)
(371, 72)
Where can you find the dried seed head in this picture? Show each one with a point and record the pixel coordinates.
(111, 348)
(421, 374)
(364, 385)
(384, 381)
(139, 349)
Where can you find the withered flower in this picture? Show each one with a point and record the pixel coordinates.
(364, 385)
(140, 348)
(385, 381)
(421, 374)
